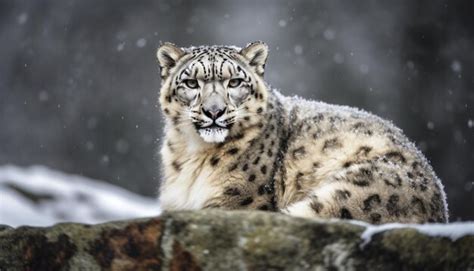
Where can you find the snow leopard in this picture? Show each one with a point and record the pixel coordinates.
(232, 142)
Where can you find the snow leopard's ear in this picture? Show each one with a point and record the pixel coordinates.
(256, 53)
(168, 54)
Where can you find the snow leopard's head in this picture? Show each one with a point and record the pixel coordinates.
(215, 91)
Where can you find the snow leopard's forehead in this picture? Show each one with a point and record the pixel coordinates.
(212, 63)
(212, 49)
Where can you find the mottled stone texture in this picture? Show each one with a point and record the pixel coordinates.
(220, 240)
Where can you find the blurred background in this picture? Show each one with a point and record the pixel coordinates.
(79, 80)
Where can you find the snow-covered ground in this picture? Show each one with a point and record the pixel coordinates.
(453, 231)
(40, 196)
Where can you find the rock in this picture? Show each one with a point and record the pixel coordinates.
(223, 240)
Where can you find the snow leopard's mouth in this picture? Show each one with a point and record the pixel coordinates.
(213, 126)
(213, 133)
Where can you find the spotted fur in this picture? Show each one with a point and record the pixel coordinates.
(233, 143)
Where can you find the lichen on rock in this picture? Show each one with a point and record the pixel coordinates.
(228, 240)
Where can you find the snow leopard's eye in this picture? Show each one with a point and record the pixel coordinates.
(191, 83)
(235, 82)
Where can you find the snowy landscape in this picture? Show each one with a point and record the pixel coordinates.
(79, 79)
(42, 197)
(39, 196)
(81, 129)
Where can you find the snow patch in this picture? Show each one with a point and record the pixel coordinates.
(39, 196)
(453, 231)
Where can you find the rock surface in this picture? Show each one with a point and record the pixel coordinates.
(220, 240)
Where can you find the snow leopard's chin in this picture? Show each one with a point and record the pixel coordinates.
(214, 135)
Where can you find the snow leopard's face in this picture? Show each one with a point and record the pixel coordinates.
(218, 90)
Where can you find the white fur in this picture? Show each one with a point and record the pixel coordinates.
(213, 135)
(301, 209)
(189, 188)
(187, 192)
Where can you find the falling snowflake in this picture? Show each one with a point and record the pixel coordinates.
(430, 125)
(90, 146)
(43, 96)
(23, 18)
(329, 34)
(120, 46)
(122, 146)
(364, 68)
(104, 159)
(298, 49)
(338, 58)
(141, 43)
(456, 66)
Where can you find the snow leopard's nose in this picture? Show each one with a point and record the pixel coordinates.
(214, 113)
